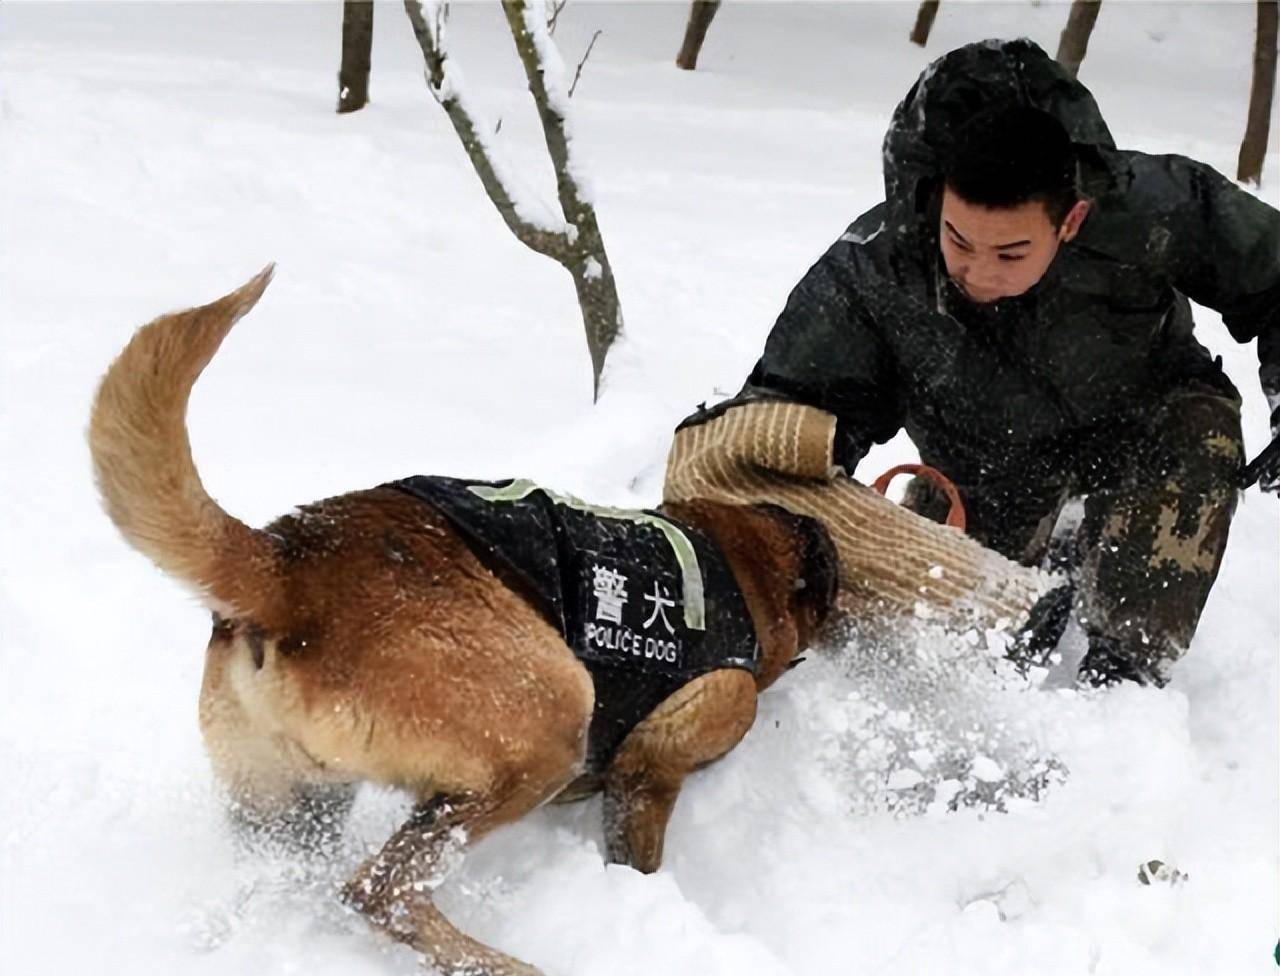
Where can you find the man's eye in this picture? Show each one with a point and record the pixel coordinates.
(956, 242)
(1012, 257)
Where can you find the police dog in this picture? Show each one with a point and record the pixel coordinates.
(331, 663)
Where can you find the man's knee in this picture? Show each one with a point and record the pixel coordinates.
(1150, 561)
(1153, 543)
(1202, 440)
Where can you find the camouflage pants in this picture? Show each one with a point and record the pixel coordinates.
(1158, 498)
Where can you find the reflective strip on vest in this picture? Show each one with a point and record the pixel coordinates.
(691, 574)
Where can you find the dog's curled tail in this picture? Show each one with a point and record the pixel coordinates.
(143, 466)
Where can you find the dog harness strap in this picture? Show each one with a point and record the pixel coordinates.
(695, 612)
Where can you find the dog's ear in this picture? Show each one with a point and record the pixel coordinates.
(818, 574)
(790, 556)
(821, 569)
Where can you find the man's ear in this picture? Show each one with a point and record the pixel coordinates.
(1074, 218)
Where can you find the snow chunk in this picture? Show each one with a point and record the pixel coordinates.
(923, 758)
(904, 779)
(987, 769)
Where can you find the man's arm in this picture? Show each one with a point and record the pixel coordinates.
(825, 351)
(1219, 245)
(1221, 249)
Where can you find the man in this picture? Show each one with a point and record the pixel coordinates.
(1019, 304)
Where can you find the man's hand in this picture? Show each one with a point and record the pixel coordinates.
(1266, 466)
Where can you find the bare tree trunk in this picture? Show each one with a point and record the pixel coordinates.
(1075, 36)
(357, 46)
(576, 244)
(1253, 149)
(701, 13)
(924, 22)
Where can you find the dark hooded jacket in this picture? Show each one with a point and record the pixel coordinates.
(1035, 385)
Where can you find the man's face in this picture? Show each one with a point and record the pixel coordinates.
(999, 253)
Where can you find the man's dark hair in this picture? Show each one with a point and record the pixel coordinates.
(1007, 156)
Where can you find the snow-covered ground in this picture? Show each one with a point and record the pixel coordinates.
(154, 155)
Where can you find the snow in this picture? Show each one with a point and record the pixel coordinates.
(154, 156)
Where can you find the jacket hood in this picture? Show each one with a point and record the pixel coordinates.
(968, 80)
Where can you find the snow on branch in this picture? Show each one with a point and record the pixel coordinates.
(545, 70)
(575, 240)
(444, 79)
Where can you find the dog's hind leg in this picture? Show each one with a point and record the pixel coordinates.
(278, 794)
(394, 888)
(696, 725)
(309, 819)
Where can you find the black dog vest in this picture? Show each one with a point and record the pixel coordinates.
(645, 602)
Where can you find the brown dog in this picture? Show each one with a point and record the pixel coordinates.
(333, 663)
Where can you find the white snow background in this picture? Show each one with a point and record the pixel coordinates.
(156, 155)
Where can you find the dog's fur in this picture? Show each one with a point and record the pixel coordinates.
(360, 639)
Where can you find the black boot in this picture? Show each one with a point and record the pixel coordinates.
(1033, 646)
(1105, 664)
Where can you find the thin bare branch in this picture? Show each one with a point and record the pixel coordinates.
(553, 14)
(578, 74)
(553, 125)
(578, 247)
(550, 243)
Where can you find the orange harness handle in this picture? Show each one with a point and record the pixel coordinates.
(955, 517)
